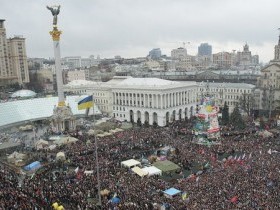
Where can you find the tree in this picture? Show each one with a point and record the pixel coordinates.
(225, 114)
(247, 102)
(236, 118)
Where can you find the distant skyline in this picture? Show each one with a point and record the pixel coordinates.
(131, 28)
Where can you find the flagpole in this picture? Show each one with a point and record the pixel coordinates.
(97, 164)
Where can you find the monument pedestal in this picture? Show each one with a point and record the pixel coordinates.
(63, 119)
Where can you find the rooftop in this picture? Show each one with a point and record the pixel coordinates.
(34, 109)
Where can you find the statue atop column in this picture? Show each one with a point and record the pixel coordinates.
(55, 11)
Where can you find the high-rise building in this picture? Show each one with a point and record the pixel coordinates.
(155, 53)
(205, 49)
(13, 59)
(18, 58)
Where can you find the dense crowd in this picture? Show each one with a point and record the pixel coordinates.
(242, 173)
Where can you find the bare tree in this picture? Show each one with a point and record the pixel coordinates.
(247, 103)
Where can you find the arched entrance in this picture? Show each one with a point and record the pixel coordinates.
(167, 117)
(66, 125)
(191, 111)
(173, 116)
(180, 114)
(155, 118)
(146, 118)
(131, 114)
(186, 113)
(139, 121)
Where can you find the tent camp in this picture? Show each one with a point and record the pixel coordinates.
(265, 134)
(139, 171)
(15, 157)
(166, 166)
(100, 135)
(33, 166)
(52, 147)
(152, 170)
(107, 134)
(171, 192)
(130, 163)
(60, 156)
(65, 140)
(41, 144)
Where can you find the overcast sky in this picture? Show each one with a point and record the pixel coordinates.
(130, 28)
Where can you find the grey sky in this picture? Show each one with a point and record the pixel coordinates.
(131, 28)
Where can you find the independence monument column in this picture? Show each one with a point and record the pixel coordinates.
(62, 118)
(55, 33)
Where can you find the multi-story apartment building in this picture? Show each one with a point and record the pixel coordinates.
(223, 60)
(76, 75)
(179, 53)
(13, 59)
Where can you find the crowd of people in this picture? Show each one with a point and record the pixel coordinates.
(242, 172)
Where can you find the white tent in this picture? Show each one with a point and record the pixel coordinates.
(88, 172)
(130, 163)
(139, 171)
(41, 144)
(52, 147)
(60, 156)
(65, 140)
(15, 156)
(152, 170)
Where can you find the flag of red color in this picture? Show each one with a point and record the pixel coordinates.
(234, 199)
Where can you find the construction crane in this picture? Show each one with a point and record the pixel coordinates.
(182, 42)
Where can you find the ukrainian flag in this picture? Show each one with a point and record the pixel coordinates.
(85, 103)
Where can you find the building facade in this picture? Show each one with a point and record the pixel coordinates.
(76, 75)
(13, 59)
(269, 85)
(179, 53)
(223, 60)
(244, 58)
(229, 93)
(205, 49)
(153, 100)
(155, 53)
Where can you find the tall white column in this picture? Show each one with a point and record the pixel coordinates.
(161, 101)
(56, 46)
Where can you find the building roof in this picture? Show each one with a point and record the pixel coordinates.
(23, 94)
(226, 85)
(75, 83)
(147, 82)
(38, 108)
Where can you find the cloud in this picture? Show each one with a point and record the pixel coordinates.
(133, 27)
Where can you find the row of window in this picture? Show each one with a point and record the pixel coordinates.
(121, 115)
(133, 102)
(142, 95)
(118, 108)
(226, 90)
(98, 94)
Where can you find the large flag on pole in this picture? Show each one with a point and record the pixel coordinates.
(85, 103)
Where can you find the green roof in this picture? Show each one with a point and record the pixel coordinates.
(166, 166)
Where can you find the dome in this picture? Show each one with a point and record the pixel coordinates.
(23, 94)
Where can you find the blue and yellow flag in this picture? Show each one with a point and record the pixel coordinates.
(85, 103)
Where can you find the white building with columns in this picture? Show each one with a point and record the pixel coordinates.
(153, 100)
